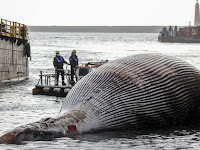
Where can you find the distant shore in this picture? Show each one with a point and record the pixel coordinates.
(103, 29)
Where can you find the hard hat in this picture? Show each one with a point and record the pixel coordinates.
(74, 51)
(57, 52)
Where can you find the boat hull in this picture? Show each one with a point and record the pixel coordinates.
(179, 39)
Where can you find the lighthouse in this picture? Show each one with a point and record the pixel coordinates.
(197, 17)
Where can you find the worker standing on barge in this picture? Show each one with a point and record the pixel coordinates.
(74, 64)
(58, 64)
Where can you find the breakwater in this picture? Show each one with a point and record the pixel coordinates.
(103, 29)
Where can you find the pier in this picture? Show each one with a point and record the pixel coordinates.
(14, 49)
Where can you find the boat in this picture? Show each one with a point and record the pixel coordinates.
(14, 49)
(190, 34)
(46, 83)
(187, 34)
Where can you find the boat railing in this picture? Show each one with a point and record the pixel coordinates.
(50, 78)
(45, 79)
(13, 29)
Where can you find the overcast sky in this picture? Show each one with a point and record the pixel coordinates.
(99, 12)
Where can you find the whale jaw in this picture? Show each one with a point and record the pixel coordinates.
(67, 124)
(45, 129)
(18, 135)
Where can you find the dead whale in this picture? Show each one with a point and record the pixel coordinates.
(139, 91)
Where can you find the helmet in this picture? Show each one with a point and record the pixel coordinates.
(57, 52)
(74, 51)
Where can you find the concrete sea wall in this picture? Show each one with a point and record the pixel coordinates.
(13, 62)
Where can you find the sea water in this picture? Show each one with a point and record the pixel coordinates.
(18, 106)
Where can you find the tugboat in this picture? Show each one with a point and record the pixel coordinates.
(46, 83)
(14, 49)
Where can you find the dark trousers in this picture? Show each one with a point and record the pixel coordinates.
(62, 74)
(72, 73)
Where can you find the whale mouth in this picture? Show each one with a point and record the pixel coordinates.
(17, 136)
(44, 130)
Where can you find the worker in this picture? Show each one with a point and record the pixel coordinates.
(58, 65)
(74, 64)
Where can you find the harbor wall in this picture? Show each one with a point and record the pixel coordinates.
(13, 62)
(101, 29)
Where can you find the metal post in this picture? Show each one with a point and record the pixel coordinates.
(1, 26)
(41, 77)
(47, 80)
(19, 31)
(55, 81)
(6, 27)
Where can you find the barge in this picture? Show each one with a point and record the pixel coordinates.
(47, 82)
(14, 49)
(190, 34)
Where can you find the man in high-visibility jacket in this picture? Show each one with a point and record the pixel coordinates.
(58, 64)
(74, 64)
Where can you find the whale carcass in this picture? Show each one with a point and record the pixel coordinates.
(139, 91)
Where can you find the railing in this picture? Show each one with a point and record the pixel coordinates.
(13, 29)
(46, 79)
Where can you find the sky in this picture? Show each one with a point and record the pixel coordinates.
(99, 12)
